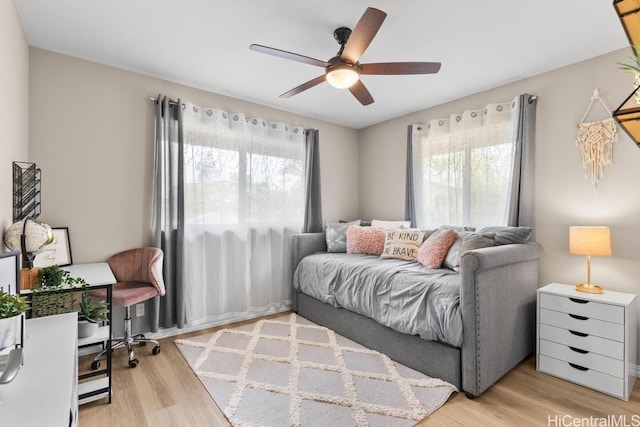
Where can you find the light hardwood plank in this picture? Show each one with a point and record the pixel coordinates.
(164, 391)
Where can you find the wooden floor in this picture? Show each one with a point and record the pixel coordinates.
(164, 391)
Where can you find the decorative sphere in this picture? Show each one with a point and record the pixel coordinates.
(37, 236)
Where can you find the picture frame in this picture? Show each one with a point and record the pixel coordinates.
(10, 272)
(58, 252)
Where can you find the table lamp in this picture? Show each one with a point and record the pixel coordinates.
(589, 241)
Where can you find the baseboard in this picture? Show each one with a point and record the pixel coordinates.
(171, 332)
(635, 369)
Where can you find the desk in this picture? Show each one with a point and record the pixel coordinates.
(44, 393)
(95, 274)
(96, 384)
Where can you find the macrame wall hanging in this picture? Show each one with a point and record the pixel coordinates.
(595, 142)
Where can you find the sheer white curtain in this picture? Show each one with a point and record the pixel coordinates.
(463, 167)
(244, 199)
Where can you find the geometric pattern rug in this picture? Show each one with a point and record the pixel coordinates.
(288, 371)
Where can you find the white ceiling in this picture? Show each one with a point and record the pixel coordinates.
(205, 44)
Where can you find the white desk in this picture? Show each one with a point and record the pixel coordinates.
(96, 384)
(95, 274)
(44, 391)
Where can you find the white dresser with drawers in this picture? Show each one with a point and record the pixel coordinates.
(588, 339)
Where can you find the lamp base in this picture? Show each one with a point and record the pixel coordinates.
(588, 288)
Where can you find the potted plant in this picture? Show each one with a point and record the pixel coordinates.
(634, 68)
(89, 314)
(52, 296)
(12, 311)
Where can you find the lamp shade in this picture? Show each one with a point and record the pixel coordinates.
(628, 116)
(590, 241)
(628, 113)
(628, 12)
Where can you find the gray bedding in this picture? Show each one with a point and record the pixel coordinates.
(402, 295)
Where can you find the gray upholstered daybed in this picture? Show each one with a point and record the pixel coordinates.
(497, 298)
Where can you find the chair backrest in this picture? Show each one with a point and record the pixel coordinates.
(139, 265)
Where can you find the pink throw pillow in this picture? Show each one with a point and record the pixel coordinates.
(435, 248)
(365, 240)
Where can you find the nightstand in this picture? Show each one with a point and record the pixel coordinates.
(588, 339)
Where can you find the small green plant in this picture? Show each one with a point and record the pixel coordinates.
(12, 305)
(52, 296)
(635, 66)
(93, 312)
(53, 276)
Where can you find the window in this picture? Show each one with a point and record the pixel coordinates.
(243, 201)
(242, 175)
(462, 168)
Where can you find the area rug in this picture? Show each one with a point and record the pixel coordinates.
(288, 371)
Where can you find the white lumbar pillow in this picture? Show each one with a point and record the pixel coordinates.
(390, 224)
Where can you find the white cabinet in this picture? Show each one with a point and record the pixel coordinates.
(588, 339)
(44, 393)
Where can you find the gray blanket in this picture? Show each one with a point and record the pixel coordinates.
(402, 295)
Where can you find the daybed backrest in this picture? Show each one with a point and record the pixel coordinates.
(307, 244)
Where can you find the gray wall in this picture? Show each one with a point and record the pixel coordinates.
(14, 80)
(562, 196)
(91, 132)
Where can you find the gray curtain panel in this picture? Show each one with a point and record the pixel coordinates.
(522, 185)
(409, 201)
(313, 198)
(168, 212)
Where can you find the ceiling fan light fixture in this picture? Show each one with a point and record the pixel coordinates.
(342, 76)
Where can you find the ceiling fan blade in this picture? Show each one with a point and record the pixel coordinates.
(361, 93)
(288, 55)
(304, 86)
(395, 68)
(364, 31)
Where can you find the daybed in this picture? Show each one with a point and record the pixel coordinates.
(497, 297)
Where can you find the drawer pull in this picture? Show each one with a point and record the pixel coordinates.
(578, 367)
(579, 350)
(575, 316)
(580, 334)
(579, 301)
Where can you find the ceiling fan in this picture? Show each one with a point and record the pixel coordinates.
(343, 70)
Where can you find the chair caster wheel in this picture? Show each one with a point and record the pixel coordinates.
(133, 363)
(156, 350)
(142, 344)
(95, 364)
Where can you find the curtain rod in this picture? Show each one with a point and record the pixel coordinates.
(171, 101)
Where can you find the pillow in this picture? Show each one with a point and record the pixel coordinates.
(336, 235)
(363, 222)
(451, 259)
(401, 243)
(390, 224)
(365, 240)
(509, 235)
(427, 233)
(466, 242)
(434, 249)
(457, 228)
